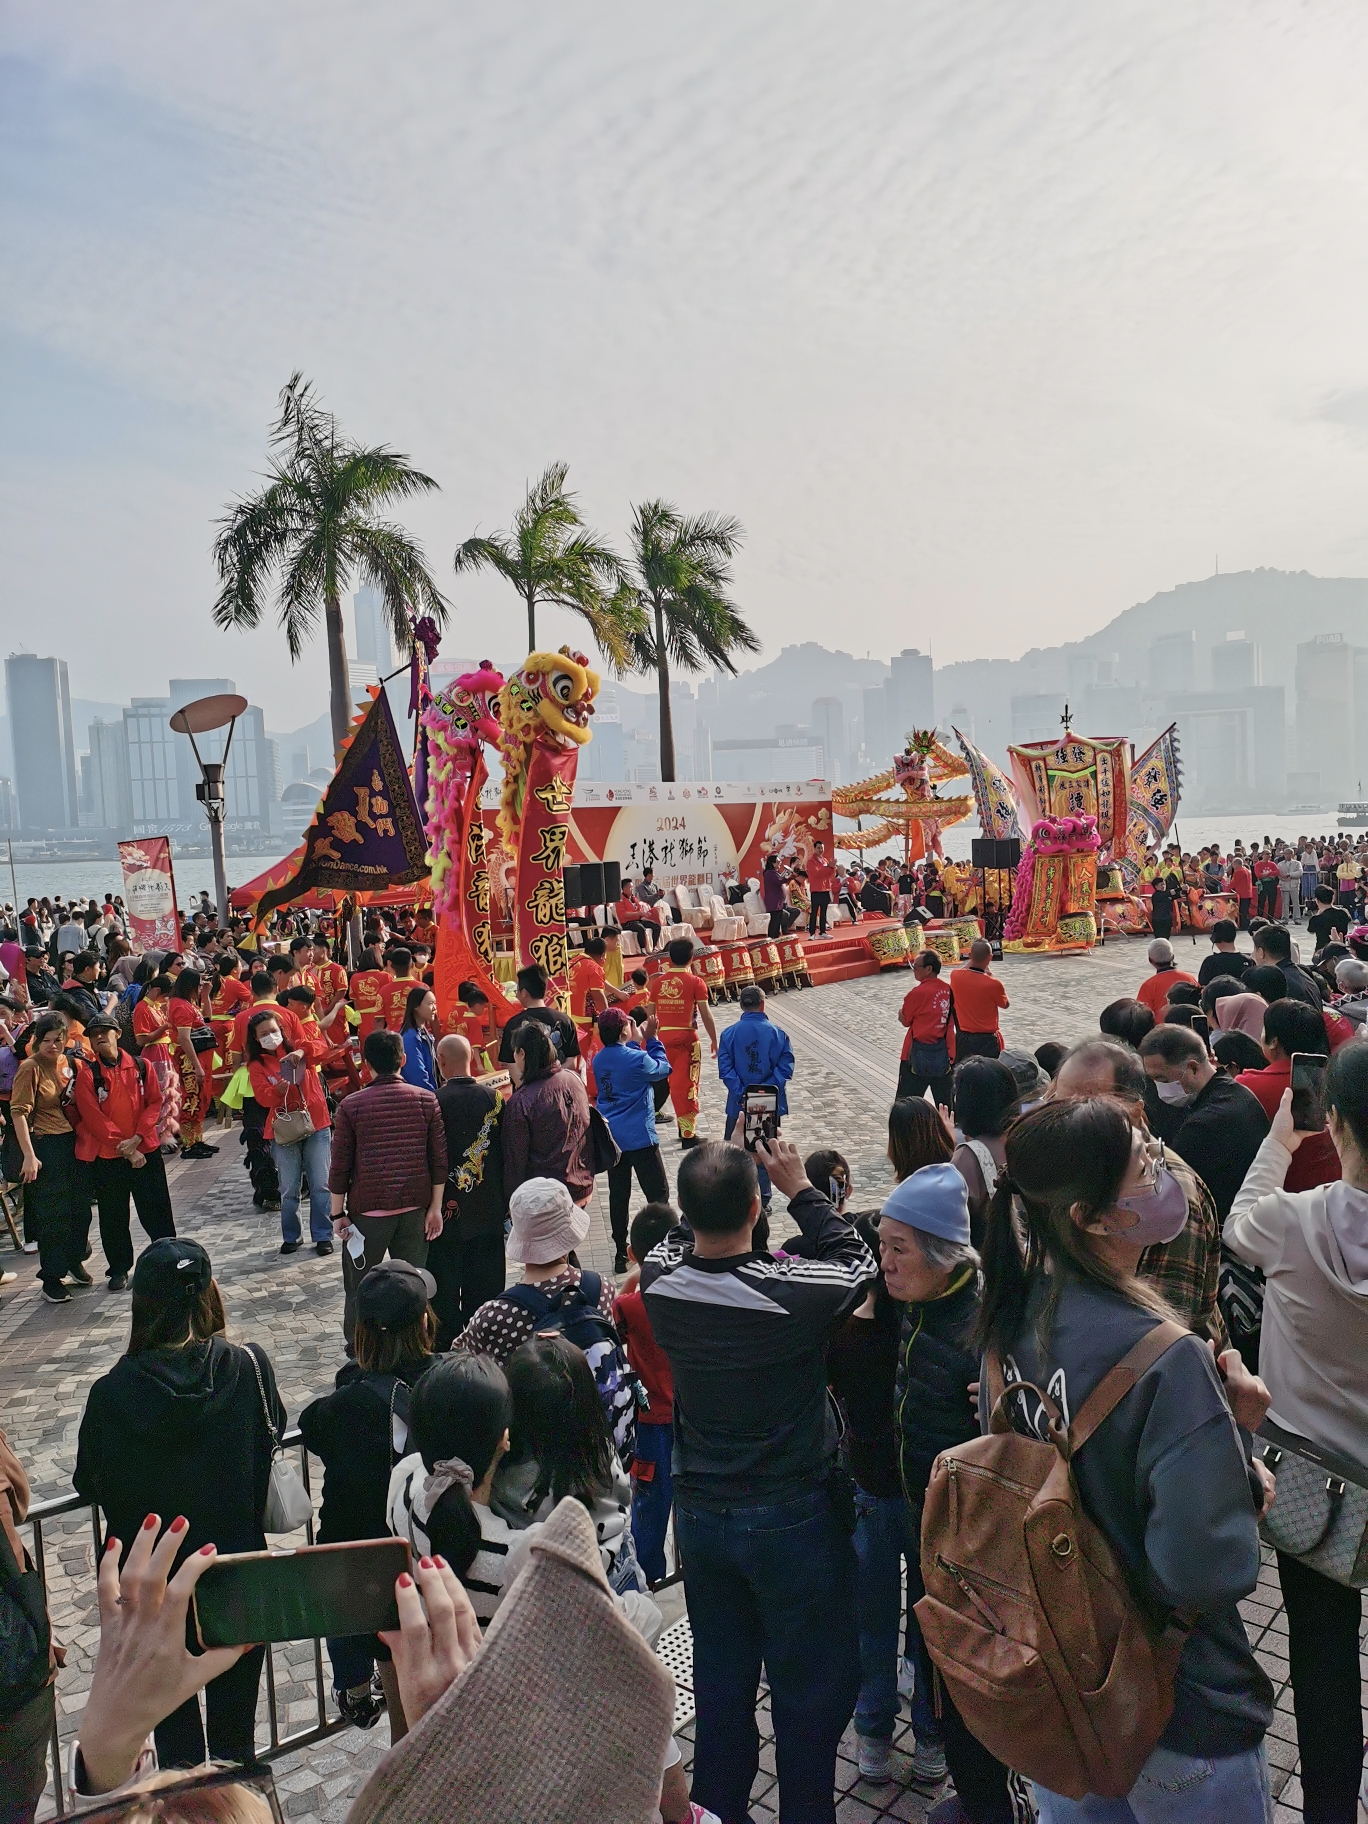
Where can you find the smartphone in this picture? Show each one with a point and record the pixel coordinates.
(316, 1590)
(1308, 1091)
(1202, 1025)
(759, 1115)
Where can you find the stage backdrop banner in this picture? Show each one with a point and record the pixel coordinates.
(692, 832)
(150, 893)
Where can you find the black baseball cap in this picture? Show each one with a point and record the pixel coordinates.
(172, 1269)
(394, 1295)
(103, 1022)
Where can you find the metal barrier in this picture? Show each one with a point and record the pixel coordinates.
(43, 1511)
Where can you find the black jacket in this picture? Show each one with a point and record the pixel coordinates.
(1302, 986)
(936, 1362)
(350, 1430)
(1223, 962)
(181, 1431)
(472, 1117)
(1219, 1133)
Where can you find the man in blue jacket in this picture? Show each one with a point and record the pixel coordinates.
(631, 1063)
(750, 1054)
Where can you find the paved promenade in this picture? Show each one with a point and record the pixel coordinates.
(846, 1040)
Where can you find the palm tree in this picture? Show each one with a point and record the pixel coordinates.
(679, 574)
(550, 557)
(316, 524)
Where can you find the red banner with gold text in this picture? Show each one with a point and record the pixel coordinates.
(539, 890)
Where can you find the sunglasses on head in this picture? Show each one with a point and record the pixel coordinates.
(166, 1797)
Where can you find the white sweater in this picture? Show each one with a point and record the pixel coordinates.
(1313, 1248)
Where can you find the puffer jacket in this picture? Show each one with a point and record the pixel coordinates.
(936, 1362)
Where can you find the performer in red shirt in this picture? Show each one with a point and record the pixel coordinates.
(929, 1048)
(680, 1000)
(152, 1032)
(394, 996)
(367, 992)
(117, 1108)
(821, 885)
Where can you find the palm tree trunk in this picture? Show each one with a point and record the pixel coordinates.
(667, 757)
(531, 621)
(338, 692)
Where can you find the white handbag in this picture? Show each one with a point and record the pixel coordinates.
(288, 1506)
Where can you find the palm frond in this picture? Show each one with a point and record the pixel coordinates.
(302, 593)
(392, 561)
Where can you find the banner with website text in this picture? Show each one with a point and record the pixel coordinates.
(150, 893)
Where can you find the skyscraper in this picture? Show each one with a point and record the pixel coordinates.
(43, 741)
(827, 722)
(374, 646)
(1325, 713)
(910, 694)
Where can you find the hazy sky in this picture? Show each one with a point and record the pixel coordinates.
(987, 320)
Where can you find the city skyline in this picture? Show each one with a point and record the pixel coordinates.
(985, 323)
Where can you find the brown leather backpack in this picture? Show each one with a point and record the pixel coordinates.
(1030, 1622)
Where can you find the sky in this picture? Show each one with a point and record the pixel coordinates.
(986, 320)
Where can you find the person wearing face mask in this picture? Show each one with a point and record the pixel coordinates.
(117, 1105)
(1313, 1247)
(1166, 1476)
(284, 1082)
(1221, 1125)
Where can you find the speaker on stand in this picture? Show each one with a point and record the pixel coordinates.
(998, 857)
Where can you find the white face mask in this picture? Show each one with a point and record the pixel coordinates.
(1174, 1094)
(268, 1041)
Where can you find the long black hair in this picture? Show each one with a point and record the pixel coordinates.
(460, 1407)
(539, 1059)
(416, 997)
(1058, 1155)
(559, 1421)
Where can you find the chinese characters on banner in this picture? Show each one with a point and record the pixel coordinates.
(540, 884)
(150, 893)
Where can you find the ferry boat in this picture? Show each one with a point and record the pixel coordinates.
(1353, 814)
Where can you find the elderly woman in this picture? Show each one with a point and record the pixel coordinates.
(929, 1267)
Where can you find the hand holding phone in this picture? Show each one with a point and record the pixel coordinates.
(431, 1648)
(1308, 1091)
(759, 1115)
(327, 1590)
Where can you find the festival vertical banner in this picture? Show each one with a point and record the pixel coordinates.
(540, 880)
(465, 947)
(150, 893)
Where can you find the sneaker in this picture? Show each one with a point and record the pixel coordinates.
(360, 1706)
(928, 1765)
(876, 1759)
(289, 1247)
(8, 1279)
(323, 1247)
(619, 1262)
(118, 1282)
(30, 1247)
(80, 1275)
(198, 1151)
(688, 1140)
(57, 1294)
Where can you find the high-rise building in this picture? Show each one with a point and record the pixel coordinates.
(1326, 729)
(827, 722)
(108, 794)
(876, 743)
(374, 642)
(1038, 716)
(153, 771)
(43, 742)
(909, 692)
(604, 759)
(9, 806)
(1173, 661)
(1236, 664)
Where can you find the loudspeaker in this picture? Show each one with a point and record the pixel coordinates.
(574, 895)
(612, 881)
(590, 884)
(984, 852)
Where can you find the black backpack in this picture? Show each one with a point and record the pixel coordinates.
(96, 1070)
(574, 1314)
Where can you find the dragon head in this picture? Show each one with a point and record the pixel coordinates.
(552, 693)
(477, 693)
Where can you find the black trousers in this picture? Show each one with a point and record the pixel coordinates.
(261, 1166)
(113, 1182)
(1323, 1620)
(910, 1083)
(1161, 926)
(230, 1702)
(1244, 905)
(57, 1207)
(649, 1167)
(468, 1272)
(977, 1045)
(1268, 898)
(24, 1737)
(817, 914)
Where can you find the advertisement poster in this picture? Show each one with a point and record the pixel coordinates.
(150, 893)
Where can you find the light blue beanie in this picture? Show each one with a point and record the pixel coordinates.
(933, 1199)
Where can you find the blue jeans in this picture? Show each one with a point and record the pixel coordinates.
(770, 1585)
(1176, 1789)
(651, 1496)
(883, 1538)
(313, 1156)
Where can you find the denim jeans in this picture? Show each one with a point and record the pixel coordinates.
(1176, 1789)
(883, 1538)
(651, 1496)
(772, 1585)
(312, 1156)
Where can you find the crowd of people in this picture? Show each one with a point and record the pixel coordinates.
(1143, 1257)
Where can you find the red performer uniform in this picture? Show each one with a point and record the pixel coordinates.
(329, 982)
(676, 995)
(586, 978)
(394, 1000)
(367, 987)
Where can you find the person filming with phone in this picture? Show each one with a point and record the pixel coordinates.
(755, 1054)
(1292, 1031)
(1312, 1246)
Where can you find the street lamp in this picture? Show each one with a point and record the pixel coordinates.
(200, 718)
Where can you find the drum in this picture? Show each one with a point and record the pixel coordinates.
(966, 929)
(708, 964)
(888, 947)
(793, 962)
(944, 942)
(1077, 930)
(736, 966)
(764, 954)
(916, 938)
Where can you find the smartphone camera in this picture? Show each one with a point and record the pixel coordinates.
(1308, 1091)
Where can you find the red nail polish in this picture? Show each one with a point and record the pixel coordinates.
(405, 1581)
(111, 1545)
(151, 1523)
(426, 1563)
(179, 1524)
(439, 1562)
(207, 1551)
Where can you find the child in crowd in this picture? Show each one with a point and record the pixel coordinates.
(651, 1488)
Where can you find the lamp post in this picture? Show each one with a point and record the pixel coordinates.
(200, 718)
